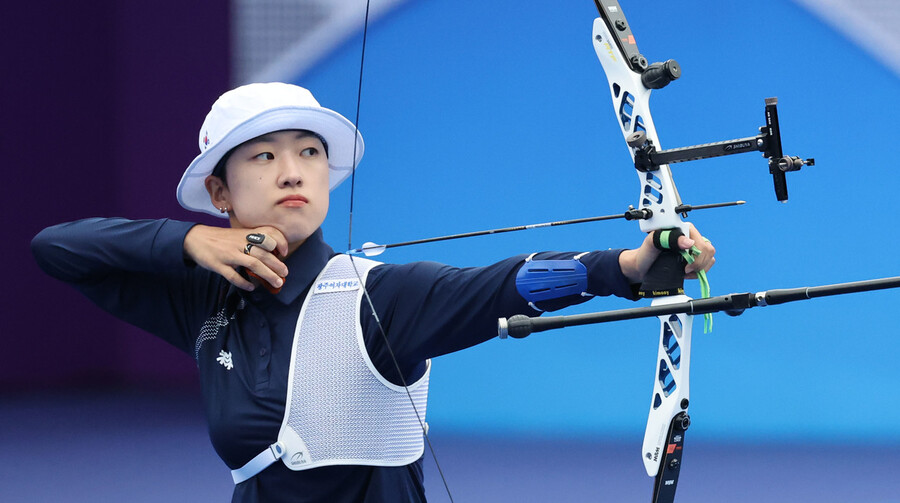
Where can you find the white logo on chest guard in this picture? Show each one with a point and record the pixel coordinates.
(225, 359)
(336, 285)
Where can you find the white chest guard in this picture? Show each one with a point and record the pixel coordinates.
(339, 409)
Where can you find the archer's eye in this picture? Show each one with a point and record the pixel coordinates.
(309, 152)
(265, 156)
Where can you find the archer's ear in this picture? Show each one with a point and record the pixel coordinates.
(218, 192)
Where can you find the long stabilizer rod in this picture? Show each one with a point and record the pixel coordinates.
(734, 304)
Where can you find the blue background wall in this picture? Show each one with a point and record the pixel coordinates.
(500, 115)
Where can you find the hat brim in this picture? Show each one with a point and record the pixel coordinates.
(337, 131)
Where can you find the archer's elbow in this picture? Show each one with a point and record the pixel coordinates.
(53, 255)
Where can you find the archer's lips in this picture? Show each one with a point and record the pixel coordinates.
(293, 201)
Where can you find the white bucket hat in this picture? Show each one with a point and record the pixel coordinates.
(257, 109)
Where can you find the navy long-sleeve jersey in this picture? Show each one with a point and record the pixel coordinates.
(137, 271)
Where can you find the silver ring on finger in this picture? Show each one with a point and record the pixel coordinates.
(247, 248)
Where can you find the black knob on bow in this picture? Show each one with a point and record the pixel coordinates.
(659, 75)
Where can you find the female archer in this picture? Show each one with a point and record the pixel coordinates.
(314, 365)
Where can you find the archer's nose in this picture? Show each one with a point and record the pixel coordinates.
(291, 173)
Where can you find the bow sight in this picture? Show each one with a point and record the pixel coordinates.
(647, 158)
(658, 75)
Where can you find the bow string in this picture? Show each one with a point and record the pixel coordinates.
(365, 291)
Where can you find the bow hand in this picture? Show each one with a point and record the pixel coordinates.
(636, 263)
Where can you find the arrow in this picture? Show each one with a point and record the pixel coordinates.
(371, 249)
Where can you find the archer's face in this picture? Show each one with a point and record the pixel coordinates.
(279, 179)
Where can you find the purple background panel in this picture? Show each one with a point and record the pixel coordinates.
(101, 106)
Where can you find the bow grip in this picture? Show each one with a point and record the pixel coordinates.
(666, 276)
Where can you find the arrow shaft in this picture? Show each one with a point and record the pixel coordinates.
(532, 226)
(504, 229)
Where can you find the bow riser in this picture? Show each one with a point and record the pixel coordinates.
(671, 389)
(631, 105)
(630, 99)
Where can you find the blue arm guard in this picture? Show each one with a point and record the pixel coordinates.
(539, 280)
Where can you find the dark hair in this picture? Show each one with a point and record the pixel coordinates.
(219, 170)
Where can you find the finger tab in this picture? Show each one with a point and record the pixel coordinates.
(262, 240)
